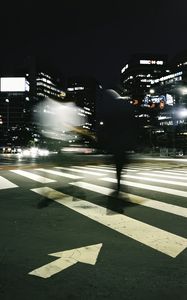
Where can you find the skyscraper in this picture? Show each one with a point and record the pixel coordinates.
(139, 71)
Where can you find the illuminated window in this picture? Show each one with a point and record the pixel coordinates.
(123, 70)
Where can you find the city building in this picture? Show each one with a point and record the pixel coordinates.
(43, 85)
(44, 80)
(83, 91)
(139, 71)
(173, 85)
(20, 91)
(21, 95)
(167, 100)
(14, 101)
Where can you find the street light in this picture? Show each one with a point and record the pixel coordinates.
(152, 91)
(7, 123)
(183, 113)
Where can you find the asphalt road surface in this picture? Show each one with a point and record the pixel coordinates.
(67, 234)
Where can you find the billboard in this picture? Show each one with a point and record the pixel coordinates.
(151, 62)
(13, 84)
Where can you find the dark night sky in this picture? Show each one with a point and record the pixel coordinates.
(91, 37)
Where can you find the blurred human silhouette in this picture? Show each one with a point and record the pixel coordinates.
(118, 132)
(59, 120)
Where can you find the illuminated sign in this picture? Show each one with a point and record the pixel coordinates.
(77, 88)
(14, 84)
(151, 62)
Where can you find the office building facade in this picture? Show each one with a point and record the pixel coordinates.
(83, 92)
(19, 93)
(139, 71)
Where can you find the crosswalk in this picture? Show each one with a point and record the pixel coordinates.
(6, 184)
(100, 180)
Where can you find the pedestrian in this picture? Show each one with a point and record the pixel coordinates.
(118, 133)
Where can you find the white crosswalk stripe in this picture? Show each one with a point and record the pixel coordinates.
(173, 209)
(106, 169)
(168, 181)
(58, 173)
(178, 176)
(32, 176)
(6, 184)
(169, 172)
(81, 171)
(148, 187)
(181, 183)
(158, 239)
(96, 169)
(181, 171)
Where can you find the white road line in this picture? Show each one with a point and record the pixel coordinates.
(148, 187)
(156, 180)
(107, 167)
(169, 208)
(163, 175)
(32, 176)
(59, 173)
(138, 169)
(101, 169)
(131, 168)
(158, 239)
(6, 184)
(81, 171)
(181, 171)
(169, 172)
(97, 169)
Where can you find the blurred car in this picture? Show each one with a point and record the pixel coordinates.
(79, 149)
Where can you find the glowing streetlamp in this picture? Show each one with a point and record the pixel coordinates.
(182, 113)
(7, 122)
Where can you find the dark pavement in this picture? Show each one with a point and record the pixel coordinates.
(129, 265)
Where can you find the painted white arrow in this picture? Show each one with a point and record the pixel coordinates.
(87, 255)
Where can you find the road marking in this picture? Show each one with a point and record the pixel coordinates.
(32, 176)
(148, 187)
(181, 171)
(86, 255)
(181, 183)
(158, 239)
(59, 173)
(163, 175)
(81, 171)
(169, 208)
(106, 170)
(107, 167)
(6, 184)
(169, 172)
(97, 169)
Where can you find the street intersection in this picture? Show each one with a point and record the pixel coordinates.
(132, 242)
